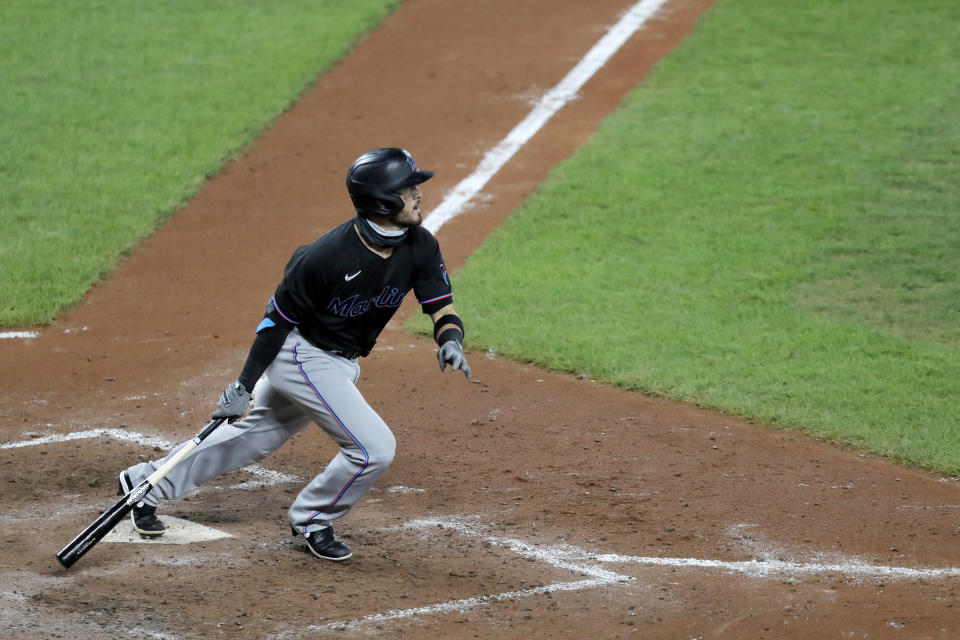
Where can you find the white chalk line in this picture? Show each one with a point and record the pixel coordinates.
(456, 199)
(779, 568)
(566, 556)
(560, 556)
(599, 577)
(29, 335)
(457, 606)
(402, 489)
(18, 335)
(579, 560)
(265, 477)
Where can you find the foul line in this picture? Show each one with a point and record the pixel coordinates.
(266, 476)
(455, 201)
(586, 562)
(554, 100)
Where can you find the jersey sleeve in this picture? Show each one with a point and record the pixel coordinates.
(432, 285)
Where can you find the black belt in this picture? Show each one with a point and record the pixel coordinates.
(349, 355)
(343, 353)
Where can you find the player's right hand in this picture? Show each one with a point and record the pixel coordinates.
(234, 402)
(451, 352)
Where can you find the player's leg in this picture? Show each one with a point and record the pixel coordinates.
(272, 421)
(324, 386)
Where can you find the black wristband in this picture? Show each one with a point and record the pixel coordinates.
(450, 334)
(450, 318)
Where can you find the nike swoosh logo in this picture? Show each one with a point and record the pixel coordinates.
(349, 278)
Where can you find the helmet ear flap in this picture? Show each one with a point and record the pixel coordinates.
(373, 201)
(390, 203)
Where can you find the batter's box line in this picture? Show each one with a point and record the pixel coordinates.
(454, 606)
(580, 560)
(265, 477)
(570, 557)
(598, 577)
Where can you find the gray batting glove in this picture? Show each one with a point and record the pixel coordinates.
(234, 402)
(451, 352)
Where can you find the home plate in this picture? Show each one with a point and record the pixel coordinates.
(178, 532)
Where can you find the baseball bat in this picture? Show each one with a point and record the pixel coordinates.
(100, 527)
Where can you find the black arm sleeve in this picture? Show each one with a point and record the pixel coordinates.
(270, 338)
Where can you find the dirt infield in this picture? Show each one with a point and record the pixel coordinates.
(525, 504)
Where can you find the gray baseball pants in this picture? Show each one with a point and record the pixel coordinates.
(303, 384)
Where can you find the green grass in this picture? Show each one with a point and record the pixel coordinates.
(769, 226)
(113, 114)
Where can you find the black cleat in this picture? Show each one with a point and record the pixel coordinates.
(324, 544)
(143, 516)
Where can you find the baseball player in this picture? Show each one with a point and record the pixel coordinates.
(336, 296)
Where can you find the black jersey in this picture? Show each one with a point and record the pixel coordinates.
(340, 295)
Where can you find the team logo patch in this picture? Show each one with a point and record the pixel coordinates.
(413, 165)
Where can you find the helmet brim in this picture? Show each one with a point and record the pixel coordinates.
(415, 178)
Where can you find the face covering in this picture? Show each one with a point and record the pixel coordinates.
(377, 235)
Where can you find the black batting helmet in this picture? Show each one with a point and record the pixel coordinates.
(375, 178)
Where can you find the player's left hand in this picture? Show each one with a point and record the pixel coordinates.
(451, 352)
(234, 402)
